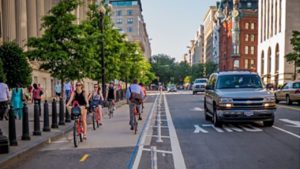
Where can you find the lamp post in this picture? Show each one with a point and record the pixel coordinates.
(102, 11)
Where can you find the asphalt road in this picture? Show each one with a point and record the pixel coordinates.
(175, 129)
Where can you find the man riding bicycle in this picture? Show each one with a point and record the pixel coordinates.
(134, 95)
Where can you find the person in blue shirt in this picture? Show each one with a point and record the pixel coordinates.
(134, 94)
(17, 102)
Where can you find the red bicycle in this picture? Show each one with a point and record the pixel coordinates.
(78, 127)
(96, 117)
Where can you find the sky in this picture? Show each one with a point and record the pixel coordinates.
(171, 24)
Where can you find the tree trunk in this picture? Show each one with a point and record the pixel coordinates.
(295, 71)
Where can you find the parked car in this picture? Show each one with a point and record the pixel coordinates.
(199, 85)
(289, 92)
(238, 96)
(171, 88)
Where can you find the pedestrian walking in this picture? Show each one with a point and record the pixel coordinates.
(58, 90)
(17, 101)
(111, 98)
(68, 89)
(4, 98)
(37, 96)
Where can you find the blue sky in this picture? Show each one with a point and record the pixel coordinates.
(171, 24)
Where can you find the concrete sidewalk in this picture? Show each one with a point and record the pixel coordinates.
(26, 147)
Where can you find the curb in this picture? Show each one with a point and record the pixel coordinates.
(14, 159)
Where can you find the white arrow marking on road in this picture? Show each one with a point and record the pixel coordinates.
(197, 109)
(198, 129)
(216, 128)
(293, 122)
(251, 128)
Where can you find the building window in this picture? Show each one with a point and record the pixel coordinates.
(262, 66)
(249, 4)
(276, 8)
(246, 25)
(252, 64)
(130, 29)
(280, 14)
(236, 64)
(246, 64)
(252, 26)
(246, 37)
(277, 58)
(129, 12)
(130, 20)
(246, 49)
(252, 50)
(272, 16)
(261, 21)
(252, 38)
(119, 13)
(119, 21)
(269, 61)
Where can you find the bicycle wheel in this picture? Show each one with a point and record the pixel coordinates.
(75, 135)
(94, 120)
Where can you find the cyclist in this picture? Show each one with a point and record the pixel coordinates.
(134, 95)
(110, 97)
(80, 96)
(97, 99)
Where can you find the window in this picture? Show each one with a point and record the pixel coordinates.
(246, 50)
(252, 26)
(246, 37)
(252, 50)
(252, 63)
(252, 38)
(130, 20)
(296, 85)
(246, 25)
(129, 29)
(119, 21)
(129, 12)
(119, 13)
(285, 86)
(249, 5)
(236, 64)
(239, 81)
(246, 64)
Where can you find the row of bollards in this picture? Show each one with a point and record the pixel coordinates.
(63, 117)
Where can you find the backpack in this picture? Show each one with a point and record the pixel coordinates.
(135, 98)
(76, 111)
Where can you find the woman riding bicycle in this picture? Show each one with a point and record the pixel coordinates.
(96, 99)
(80, 96)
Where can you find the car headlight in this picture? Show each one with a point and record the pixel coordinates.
(225, 100)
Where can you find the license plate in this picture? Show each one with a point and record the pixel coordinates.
(249, 113)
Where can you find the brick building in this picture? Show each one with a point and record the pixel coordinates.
(238, 27)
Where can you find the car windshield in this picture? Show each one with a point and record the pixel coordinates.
(239, 81)
(296, 85)
(200, 81)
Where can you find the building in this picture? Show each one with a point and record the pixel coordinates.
(21, 19)
(197, 54)
(238, 27)
(128, 18)
(277, 20)
(208, 33)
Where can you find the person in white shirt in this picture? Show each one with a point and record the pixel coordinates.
(4, 98)
(134, 95)
(68, 89)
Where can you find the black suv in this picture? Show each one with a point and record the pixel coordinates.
(237, 96)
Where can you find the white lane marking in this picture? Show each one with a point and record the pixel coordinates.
(159, 151)
(251, 128)
(234, 128)
(158, 136)
(197, 109)
(227, 129)
(153, 157)
(293, 123)
(198, 129)
(290, 133)
(143, 138)
(216, 128)
(160, 126)
(177, 153)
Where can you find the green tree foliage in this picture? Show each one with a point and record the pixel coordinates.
(2, 74)
(198, 71)
(60, 47)
(15, 65)
(294, 56)
(210, 68)
(162, 65)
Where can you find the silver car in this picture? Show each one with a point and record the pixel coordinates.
(238, 96)
(199, 85)
(289, 92)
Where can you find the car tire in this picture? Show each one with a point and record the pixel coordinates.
(288, 100)
(194, 93)
(207, 117)
(268, 123)
(276, 100)
(216, 121)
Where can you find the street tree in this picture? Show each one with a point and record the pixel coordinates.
(2, 74)
(198, 71)
(294, 56)
(15, 65)
(59, 49)
(210, 68)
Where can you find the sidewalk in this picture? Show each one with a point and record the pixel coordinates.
(26, 147)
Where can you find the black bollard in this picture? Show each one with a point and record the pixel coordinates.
(46, 117)
(25, 124)
(61, 112)
(54, 114)
(68, 116)
(12, 128)
(36, 120)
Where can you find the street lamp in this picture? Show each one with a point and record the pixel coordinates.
(102, 12)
